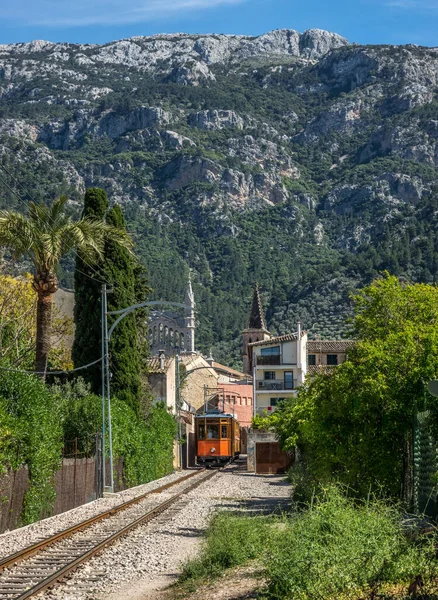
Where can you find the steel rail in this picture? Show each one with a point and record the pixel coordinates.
(71, 566)
(35, 548)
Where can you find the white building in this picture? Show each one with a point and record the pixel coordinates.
(279, 368)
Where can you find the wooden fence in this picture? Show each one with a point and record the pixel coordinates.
(77, 482)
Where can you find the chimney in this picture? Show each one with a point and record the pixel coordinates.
(210, 359)
(162, 357)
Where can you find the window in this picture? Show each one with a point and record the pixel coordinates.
(311, 360)
(269, 375)
(332, 359)
(212, 432)
(276, 401)
(274, 351)
(224, 432)
(201, 431)
(288, 380)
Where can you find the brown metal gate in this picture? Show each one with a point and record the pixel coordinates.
(271, 459)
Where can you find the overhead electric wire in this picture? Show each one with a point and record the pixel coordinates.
(101, 279)
(99, 360)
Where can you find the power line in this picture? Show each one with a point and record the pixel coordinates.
(99, 360)
(101, 278)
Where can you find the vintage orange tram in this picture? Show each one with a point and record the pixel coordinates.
(217, 439)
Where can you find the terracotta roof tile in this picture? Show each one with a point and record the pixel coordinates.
(289, 337)
(218, 367)
(329, 345)
(154, 364)
(320, 369)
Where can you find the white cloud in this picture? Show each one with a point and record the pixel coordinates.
(73, 13)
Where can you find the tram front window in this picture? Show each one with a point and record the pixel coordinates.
(212, 432)
(201, 432)
(224, 432)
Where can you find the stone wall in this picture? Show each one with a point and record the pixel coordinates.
(193, 387)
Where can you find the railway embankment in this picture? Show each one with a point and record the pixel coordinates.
(17, 539)
(149, 557)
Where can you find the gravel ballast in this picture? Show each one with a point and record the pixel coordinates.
(17, 539)
(150, 557)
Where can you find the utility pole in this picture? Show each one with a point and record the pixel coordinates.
(178, 409)
(103, 305)
(106, 393)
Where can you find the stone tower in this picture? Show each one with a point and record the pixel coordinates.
(189, 318)
(255, 332)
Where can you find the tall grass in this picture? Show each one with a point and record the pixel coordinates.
(339, 547)
(336, 548)
(231, 540)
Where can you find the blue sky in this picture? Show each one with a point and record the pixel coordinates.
(99, 21)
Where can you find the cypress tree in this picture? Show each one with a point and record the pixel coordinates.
(125, 354)
(87, 311)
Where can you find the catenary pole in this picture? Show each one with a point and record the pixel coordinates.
(103, 301)
(106, 376)
(108, 389)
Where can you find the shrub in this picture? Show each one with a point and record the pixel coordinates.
(145, 444)
(338, 547)
(30, 433)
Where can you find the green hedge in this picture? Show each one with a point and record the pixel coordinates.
(36, 421)
(145, 444)
(30, 433)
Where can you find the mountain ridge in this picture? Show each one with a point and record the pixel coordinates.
(311, 175)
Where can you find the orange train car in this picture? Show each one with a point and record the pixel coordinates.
(217, 439)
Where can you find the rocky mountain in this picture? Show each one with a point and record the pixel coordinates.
(301, 160)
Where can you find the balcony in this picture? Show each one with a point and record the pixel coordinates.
(271, 384)
(274, 359)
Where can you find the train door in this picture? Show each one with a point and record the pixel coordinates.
(226, 439)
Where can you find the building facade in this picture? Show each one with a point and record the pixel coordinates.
(280, 365)
(324, 355)
(279, 369)
(164, 387)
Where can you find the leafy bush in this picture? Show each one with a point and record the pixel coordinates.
(145, 445)
(354, 426)
(36, 422)
(30, 433)
(337, 547)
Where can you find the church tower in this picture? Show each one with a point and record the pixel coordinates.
(255, 332)
(189, 318)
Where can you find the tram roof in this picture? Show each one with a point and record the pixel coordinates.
(215, 414)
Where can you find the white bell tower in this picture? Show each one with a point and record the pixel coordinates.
(189, 318)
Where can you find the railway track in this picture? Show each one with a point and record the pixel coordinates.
(40, 566)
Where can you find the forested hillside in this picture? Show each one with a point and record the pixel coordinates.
(299, 160)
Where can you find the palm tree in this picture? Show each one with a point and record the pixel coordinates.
(45, 235)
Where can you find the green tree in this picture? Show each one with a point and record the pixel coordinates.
(87, 312)
(356, 424)
(45, 235)
(125, 352)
